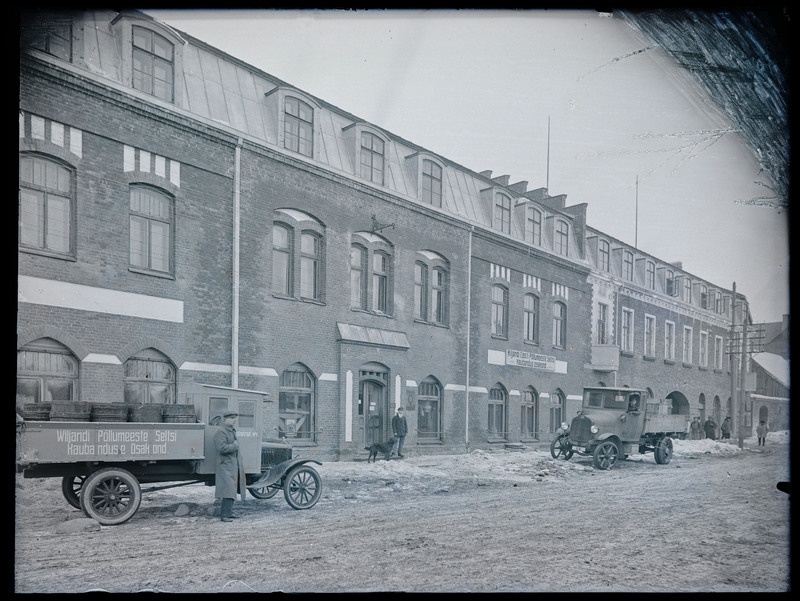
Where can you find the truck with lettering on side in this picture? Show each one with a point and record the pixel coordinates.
(102, 464)
(612, 424)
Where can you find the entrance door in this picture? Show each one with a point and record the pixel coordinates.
(373, 398)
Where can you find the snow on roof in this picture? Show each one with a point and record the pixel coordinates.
(774, 365)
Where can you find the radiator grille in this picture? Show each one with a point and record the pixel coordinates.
(579, 431)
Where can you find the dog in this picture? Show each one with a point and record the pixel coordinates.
(380, 447)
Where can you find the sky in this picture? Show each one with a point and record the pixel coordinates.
(574, 101)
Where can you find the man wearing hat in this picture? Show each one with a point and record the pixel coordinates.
(400, 429)
(230, 477)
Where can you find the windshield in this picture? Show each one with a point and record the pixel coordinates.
(612, 399)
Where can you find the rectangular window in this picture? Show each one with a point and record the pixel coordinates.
(358, 295)
(421, 291)
(627, 266)
(604, 256)
(431, 183)
(719, 352)
(650, 276)
(45, 214)
(703, 349)
(626, 343)
(687, 345)
(561, 242)
(309, 266)
(649, 336)
(669, 341)
(602, 323)
(438, 296)
(281, 260)
(380, 279)
(559, 325)
(687, 290)
(671, 287)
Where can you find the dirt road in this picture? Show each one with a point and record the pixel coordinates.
(482, 522)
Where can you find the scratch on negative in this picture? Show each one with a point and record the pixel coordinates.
(618, 59)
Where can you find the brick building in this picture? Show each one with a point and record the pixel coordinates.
(186, 218)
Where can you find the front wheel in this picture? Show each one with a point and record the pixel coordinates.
(561, 448)
(606, 455)
(663, 450)
(111, 496)
(302, 487)
(266, 492)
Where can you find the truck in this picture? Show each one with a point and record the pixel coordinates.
(102, 464)
(614, 423)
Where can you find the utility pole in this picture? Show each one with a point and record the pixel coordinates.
(742, 373)
(732, 354)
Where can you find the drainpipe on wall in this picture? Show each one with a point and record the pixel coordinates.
(235, 267)
(469, 297)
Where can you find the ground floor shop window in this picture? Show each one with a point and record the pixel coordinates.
(528, 414)
(46, 372)
(498, 399)
(429, 410)
(149, 378)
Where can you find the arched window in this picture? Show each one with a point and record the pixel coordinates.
(499, 311)
(498, 398)
(46, 371)
(149, 378)
(281, 260)
(556, 410)
(46, 205)
(559, 324)
(502, 213)
(380, 282)
(431, 287)
(561, 242)
(429, 410)
(153, 63)
(529, 427)
(296, 404)
(298, 126)
(531, 318)
(151, 229)
(309, 265)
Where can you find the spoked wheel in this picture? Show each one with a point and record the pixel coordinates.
(71, 487)
(663, 450)
(302, 487)
(111, 496)
(266, 492)
(560, 448)
(606, 455)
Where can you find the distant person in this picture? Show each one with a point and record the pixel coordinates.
(399, 430)
(696, 428)
(726, 427)
(710, 428)
(229, 477)
(761, 432)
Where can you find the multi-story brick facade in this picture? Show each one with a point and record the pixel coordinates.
(186, 218)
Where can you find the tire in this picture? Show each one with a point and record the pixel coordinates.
(560, 448)
(266, 492)
(663, 450)
(606, 455)
(111, 496)
(71, 488)
(302, 487)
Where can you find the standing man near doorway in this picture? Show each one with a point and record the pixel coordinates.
(399, 430)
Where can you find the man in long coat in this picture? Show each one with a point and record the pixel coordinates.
(711, 428)
(230, 477)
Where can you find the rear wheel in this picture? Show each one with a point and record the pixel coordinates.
(560, 448)
(302, 488)
(606, 455)
(71, 488)
(663, 450)
(111, 496)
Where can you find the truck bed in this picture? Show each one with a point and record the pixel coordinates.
(43, 442)
(657, 419)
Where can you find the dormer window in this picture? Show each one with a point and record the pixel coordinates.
(561, 240)
(627, 265)
(298, 126)
(604, 256)
(533, 226)
(431, 183)
(502, 213)
(372, 158)
(153, 63)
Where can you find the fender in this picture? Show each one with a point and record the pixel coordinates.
(276, 472)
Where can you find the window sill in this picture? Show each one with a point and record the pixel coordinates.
(689, 365)
(498, 337)
(312, 301)
(626, 353)
(530, 342)
(47, 253)
(669, 362)
(157, 274)
(648, 358)
(701, 368)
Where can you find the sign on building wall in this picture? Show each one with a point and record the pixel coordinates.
(532, 360)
